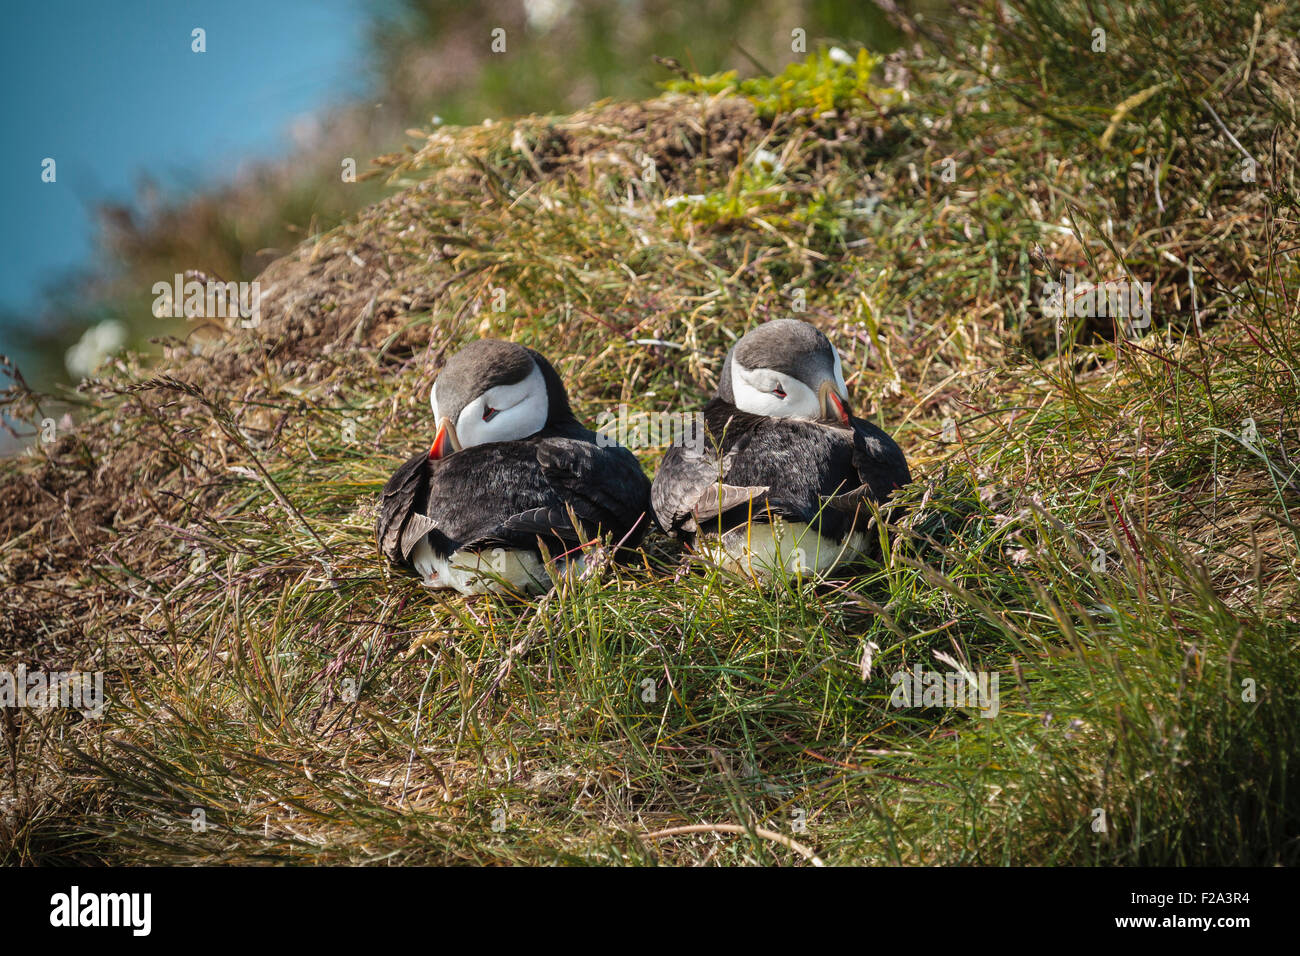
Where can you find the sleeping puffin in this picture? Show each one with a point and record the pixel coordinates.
(785, 474)
(509, 466)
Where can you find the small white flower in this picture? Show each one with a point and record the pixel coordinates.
(766, 160)
(544, 14)
(841, 56)
(97, 343)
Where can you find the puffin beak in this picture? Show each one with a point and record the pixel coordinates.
(834, 408)
(445, 442)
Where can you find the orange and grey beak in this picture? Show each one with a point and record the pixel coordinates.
(834, 408)
(445, 442)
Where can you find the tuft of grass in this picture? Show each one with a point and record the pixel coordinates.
(825, 81)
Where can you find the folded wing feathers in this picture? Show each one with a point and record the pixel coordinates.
(597, 490)
(417, 526)
(721, 497)
(394, 528)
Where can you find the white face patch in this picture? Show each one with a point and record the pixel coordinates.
(760, 392)
(504, 413)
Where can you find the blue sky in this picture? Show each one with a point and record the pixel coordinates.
(111, 90)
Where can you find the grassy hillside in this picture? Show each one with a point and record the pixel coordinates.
(1106, 518)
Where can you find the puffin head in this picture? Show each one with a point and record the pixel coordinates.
(786, 369)
(492, 391)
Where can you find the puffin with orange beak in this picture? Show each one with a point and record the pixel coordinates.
(509, 471)
(786, 474)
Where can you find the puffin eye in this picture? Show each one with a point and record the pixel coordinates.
(779, 392)
(488, 413)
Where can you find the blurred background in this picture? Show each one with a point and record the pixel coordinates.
(168, 159)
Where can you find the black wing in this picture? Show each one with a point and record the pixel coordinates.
(604, 486)
(797, 470)
(508, 494)
(879, 464)
(801, 463)
(401, 521)
(691, 487)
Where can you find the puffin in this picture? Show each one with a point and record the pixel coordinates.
(784, 479)
(511, 472)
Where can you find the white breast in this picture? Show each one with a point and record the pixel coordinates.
(767, 550)
(498, 570)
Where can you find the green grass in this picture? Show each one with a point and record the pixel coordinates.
(812, 87)
(317, 706)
